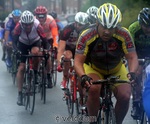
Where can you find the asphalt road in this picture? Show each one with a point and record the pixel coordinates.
(54, 111)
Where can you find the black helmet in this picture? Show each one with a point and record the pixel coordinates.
(144, 16)
(53, 14)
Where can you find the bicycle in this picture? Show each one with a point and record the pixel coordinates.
(142, 118)
(29, 86)
(71, 90)
(106, 113)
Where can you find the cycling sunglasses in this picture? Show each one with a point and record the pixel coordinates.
(41, 16)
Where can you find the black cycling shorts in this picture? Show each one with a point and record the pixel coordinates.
(71, 49)
(25, 48)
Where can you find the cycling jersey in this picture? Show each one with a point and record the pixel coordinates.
(141, 41)
(1, 33)
(70, 36)
(35, 35)
(9, 26)
(59, 24)
(105, 55)
(50, 29)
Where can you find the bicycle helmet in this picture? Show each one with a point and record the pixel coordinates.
(27, 17)
(53, 14)
(16, 12)
(40, 10)
(92, 11)
(144, 16)
(109, 15)
(81, 18)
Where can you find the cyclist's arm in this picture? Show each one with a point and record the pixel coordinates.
(78, 64)
(15, 35)
(54, 31)
(7, 30)
(132, 61)
(6, 35)
(61, 49)
(42, 35)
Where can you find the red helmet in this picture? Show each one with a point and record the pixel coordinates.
(40, 10)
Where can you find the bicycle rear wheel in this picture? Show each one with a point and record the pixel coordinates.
(31, 92)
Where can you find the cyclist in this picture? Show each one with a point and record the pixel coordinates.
(59, 24)
(140, 31)
(92, 11)
(146, 93)
(27, 35)
(50, 28)
(10, 23)
(67, 43)
(99, 53)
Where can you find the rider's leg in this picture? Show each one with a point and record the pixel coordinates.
(20, 78)
(35, 51)
(48, 68)
(93, 101)
(66, 66)
(122, 93)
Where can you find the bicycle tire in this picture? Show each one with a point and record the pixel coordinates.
(24, 94)
(143, 120)
(106, 116)
(54, 71)
(43, 83)
(69, 103)
(31, 92)
(14, 68)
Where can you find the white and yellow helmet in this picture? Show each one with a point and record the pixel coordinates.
(109, 15)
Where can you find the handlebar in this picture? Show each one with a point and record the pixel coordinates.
(110, 80)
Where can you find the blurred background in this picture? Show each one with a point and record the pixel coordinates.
(68, 8)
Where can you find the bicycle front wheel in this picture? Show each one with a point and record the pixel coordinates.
(14, 68)
(106, 116)
(43, 86)
(54, 72)
(31, 91)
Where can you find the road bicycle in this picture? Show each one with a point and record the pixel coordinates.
(142, 118)
(71, 90)
(29, 87)
(106, 113)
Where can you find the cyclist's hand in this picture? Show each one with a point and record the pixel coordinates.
(17, 53)
(59, 68)
(86, 81)
(131, 76)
